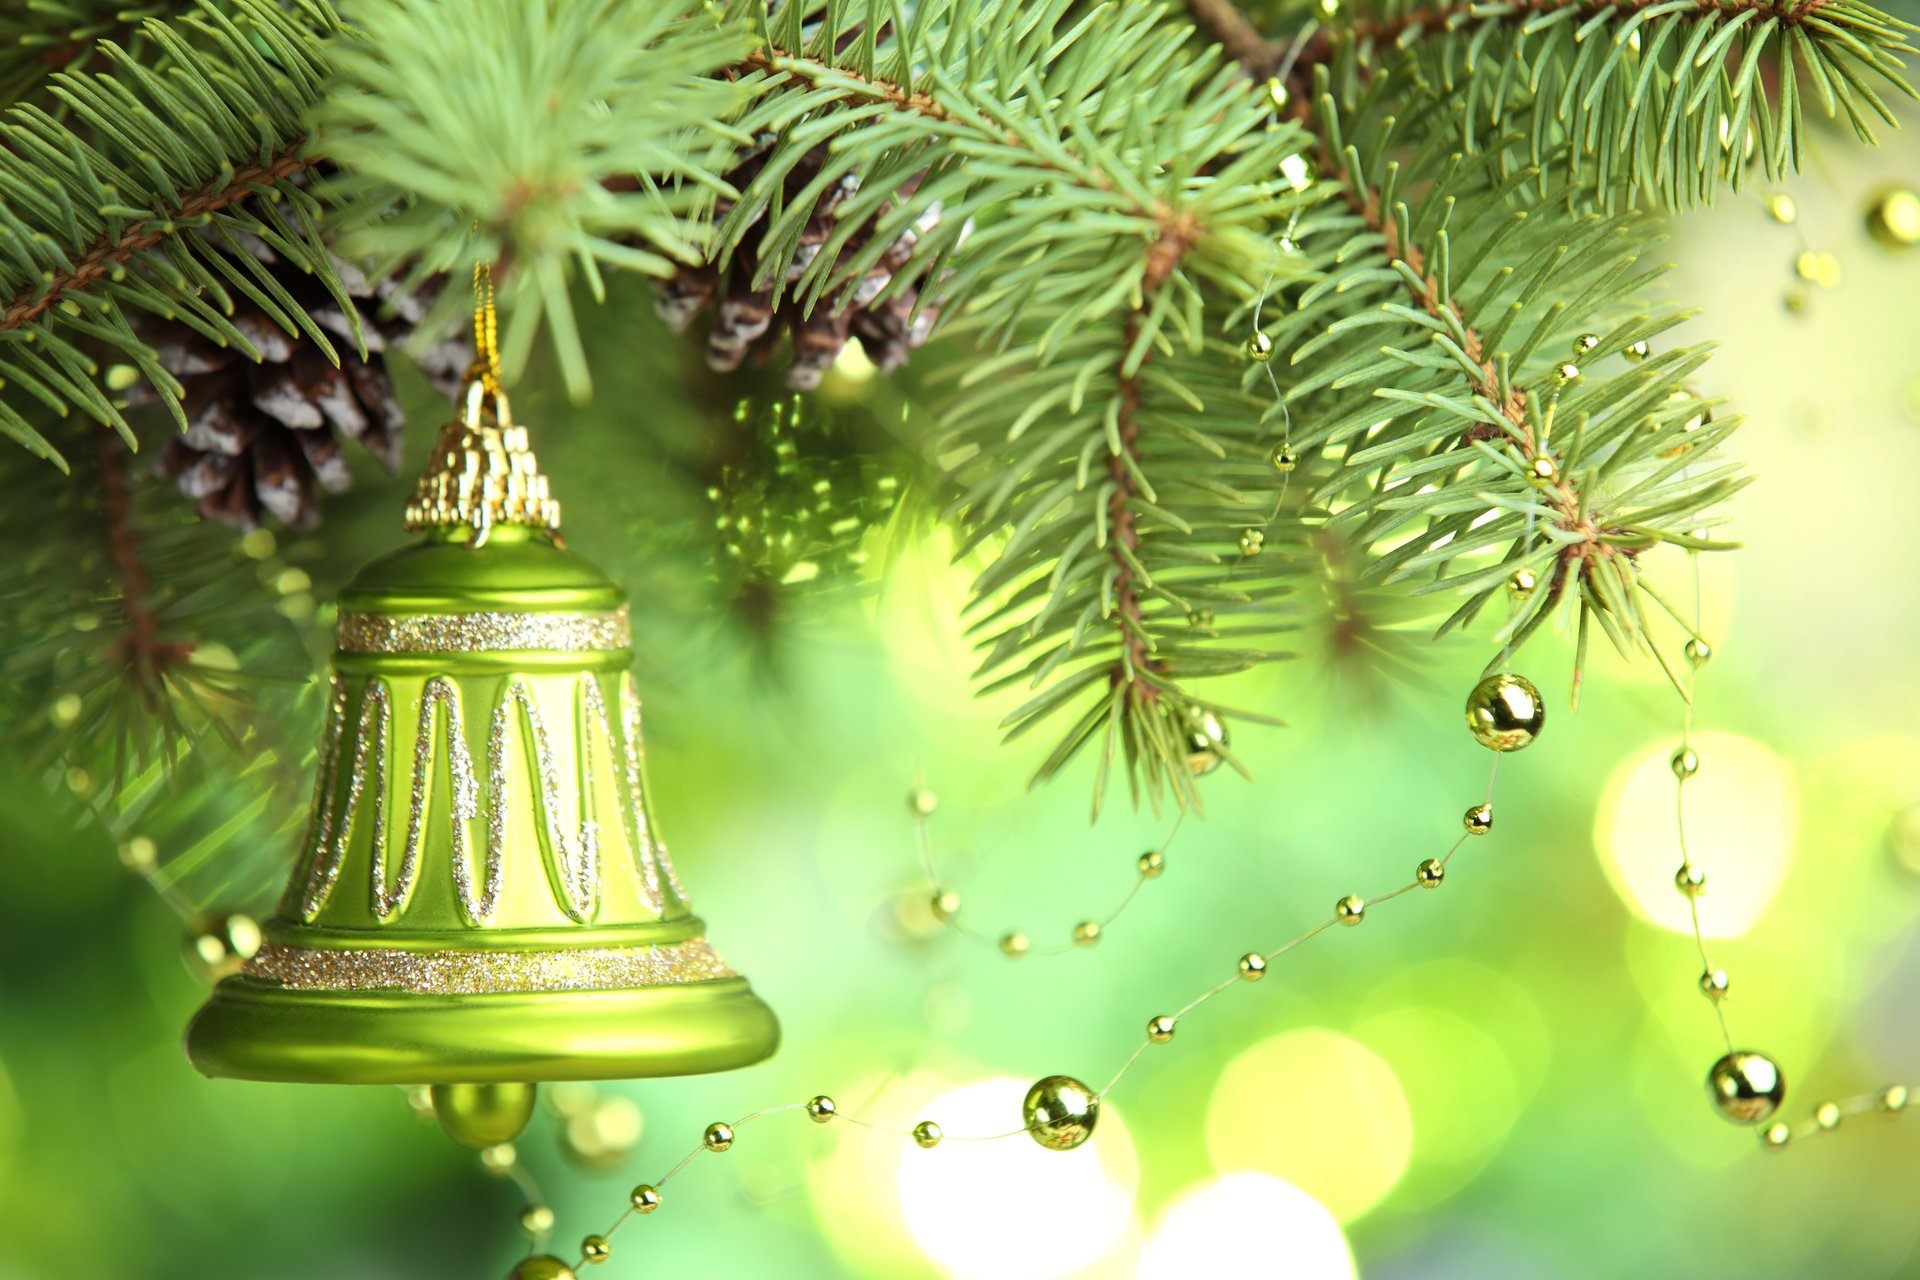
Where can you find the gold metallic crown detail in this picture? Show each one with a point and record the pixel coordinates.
(482, 473)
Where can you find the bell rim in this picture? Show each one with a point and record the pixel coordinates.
(254, 1030)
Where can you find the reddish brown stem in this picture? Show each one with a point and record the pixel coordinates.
(140, 648)
(102, 257)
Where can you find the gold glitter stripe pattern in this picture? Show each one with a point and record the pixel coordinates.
(333, 823)
(578, 859)
(467, 973)
(484, 632)
(575, 854)
(438, 699)
(650, 853)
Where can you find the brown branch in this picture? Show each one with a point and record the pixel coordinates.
(1236, 35)
(104, 255)
(1515, 426)
(146, 656)
(1241, 41)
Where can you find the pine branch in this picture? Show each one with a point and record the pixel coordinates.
(105, 256)
(140, 198)
(591, 142)
(1425, 367)
(1663, 100)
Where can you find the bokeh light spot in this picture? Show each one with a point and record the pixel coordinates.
(1010, 1210)
(1741, 810)
(1246, 1225)
(1317, 1109)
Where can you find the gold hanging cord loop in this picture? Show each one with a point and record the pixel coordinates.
(483, 378)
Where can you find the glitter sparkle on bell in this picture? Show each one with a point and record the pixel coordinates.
(483, 896)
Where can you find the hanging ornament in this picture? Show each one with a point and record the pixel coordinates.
(1206, 735)
(744, 320)
(1746, 1087)
(1059, 1112)
(1505, 713)
(483, 899)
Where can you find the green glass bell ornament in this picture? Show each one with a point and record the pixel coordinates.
(484, 898)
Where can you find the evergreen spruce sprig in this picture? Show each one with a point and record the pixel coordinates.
(556, 136)
(142, 197)
(1102, 187)
(133, 635)
(1447, 356)
(41, 38)
(1637, 100)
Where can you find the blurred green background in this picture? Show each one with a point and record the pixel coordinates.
(1499, 1079)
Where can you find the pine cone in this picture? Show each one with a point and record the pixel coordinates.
(262, 437)
(744, 325)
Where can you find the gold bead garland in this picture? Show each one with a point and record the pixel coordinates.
(1745, 1086)
(1059, 1112)
(1015, 943)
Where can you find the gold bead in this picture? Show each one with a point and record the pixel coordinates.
(1545, 468)
(1781, 207)
(1430, 873)
(1060, 1112)
(1819, 266)
(1151, 864)
(1251, 540)
(543, 1267)
(1685, 763)
(1259, 347)
(1350, 909)
(595, 1249)
(1282, 458)
(1013, 944)
(1478, 820)
(499, 1159)
(221, 945)
(946, 905)
(644, 1198)
(1637, 351)
(1277, 93)
(1199, 617)
(1566, 374)
(1713, 984)
(1253, 966)
(1698, 652)
(1586, 344)
(1086, 933)
(1894, 218)
(927, 1134)
(719, 1136)
(1521, 584)
(1894, 1098)
(1690, 880)
(1206, 734)
(921, 802)
(483, 1116)
(1827, 1116)
(1505, 713)
(1777, 1135)
(821, 1108)
(1746, 1087)
(536, 1220)
(1160, 1028)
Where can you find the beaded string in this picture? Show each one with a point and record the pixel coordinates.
(1348, 911)
(1746, 1086)
(1504, 714)
(1014, 943)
